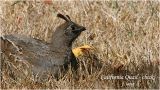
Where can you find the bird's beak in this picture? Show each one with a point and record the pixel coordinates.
(83, 29)
(80, 29)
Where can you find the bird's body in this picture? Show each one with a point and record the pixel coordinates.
(54, 57)
(37, 53)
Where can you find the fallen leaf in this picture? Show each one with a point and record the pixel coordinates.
(79, 51)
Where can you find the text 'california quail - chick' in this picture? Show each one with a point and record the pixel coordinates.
(53, 57)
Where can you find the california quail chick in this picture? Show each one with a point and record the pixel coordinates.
(55, 56)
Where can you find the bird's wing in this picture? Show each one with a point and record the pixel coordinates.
(29, 48)
(28, 44)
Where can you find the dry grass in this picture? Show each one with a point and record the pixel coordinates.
(126, 36)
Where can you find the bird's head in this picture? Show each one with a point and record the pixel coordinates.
(71, 29)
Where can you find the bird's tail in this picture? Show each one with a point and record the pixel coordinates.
(7, 47)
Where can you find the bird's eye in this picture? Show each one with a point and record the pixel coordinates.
(73, 28)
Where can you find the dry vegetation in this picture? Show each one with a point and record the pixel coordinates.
(126, 37)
